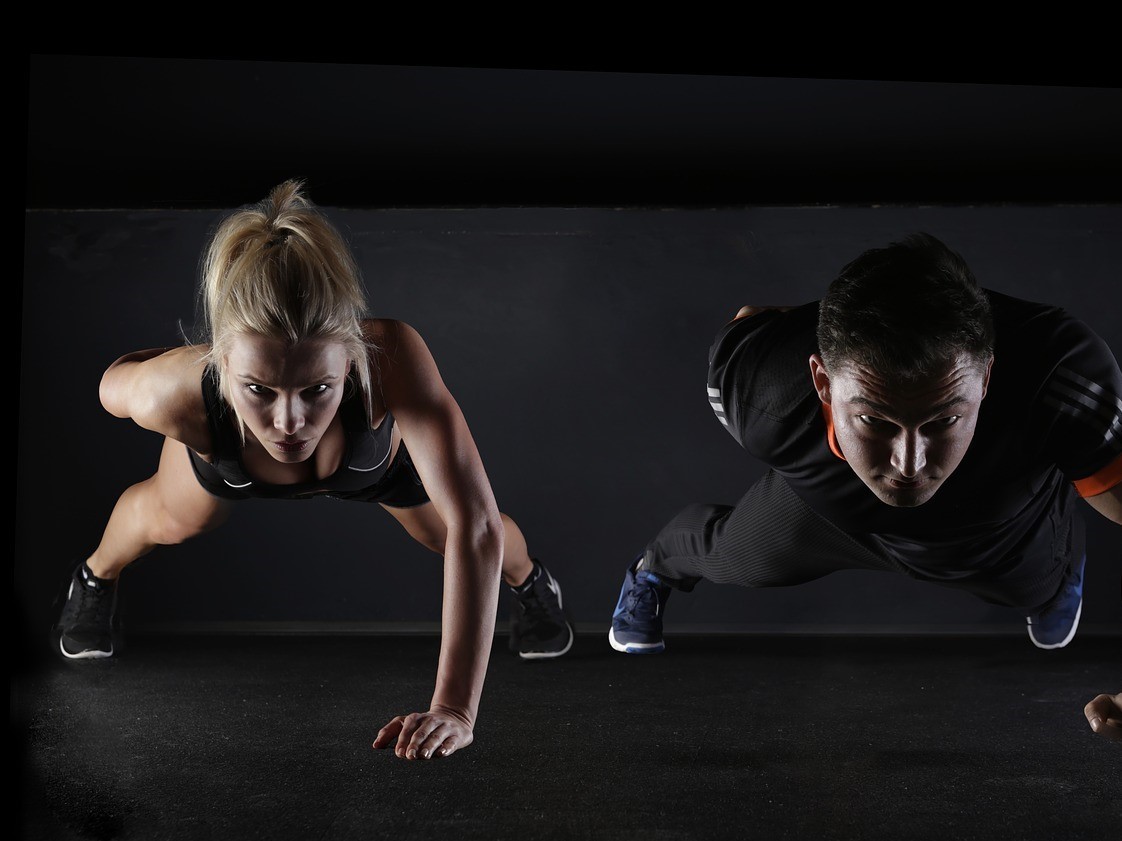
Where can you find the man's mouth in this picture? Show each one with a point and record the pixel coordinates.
(904, 484)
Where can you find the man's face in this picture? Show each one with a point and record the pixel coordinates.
(903, 441)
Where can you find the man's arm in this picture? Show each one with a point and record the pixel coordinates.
(1108, 503)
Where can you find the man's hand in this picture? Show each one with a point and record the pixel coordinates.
(748, 312)
(438, 732)
(1104, 714)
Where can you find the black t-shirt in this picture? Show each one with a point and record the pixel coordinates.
(1051, 419)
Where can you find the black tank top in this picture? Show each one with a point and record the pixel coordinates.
(366, 454)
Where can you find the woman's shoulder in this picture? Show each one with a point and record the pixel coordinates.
(160, 391)
(389, 339)
(381, 331)
(400, 357)
(186, 413)
(179, 374)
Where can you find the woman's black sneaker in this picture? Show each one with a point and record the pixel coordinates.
(85, 628)
(539, 628)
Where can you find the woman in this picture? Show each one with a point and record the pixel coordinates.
(296, 394)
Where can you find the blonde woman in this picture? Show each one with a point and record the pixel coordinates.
(296, 394)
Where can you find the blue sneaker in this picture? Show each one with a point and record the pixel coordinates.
(1054, 626)
(637, 621)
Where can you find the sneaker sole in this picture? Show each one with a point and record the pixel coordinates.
(84, 655)
(634, 647)
(549, 655)
(1070, 634)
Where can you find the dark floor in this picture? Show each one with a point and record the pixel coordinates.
(721, 737)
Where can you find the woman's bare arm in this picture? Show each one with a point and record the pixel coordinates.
(446, 458)
(160, 390)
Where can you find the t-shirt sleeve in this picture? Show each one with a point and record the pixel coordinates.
(1082, 401)
(759, 377)
(731, 365)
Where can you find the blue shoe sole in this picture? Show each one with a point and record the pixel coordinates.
(1070, 634)
(634, 647)
(1076, 584)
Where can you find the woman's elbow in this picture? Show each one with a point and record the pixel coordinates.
(112, 395)
(487, 537)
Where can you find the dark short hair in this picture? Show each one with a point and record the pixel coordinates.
(905, 311)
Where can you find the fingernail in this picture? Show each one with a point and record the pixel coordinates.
(443, 751)
(425, 754)
(412, 754)
(1096, 723)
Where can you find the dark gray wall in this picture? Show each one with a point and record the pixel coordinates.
(575, 341)
(573, 333)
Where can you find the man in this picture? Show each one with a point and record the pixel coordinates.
(1104, 714)
(912, 422)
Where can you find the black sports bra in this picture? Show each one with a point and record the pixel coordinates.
(365, 459)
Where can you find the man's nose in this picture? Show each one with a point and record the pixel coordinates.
(909, 455)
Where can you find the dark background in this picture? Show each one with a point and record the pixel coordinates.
(567, 241)
(110, 131)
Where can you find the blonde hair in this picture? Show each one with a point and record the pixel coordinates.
(280, 269)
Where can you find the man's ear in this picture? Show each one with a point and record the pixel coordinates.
(820, 378)
(986, 378)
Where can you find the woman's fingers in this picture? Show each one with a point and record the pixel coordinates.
(424, 735)
(388, 733)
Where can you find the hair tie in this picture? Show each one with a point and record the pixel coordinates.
(279, 239)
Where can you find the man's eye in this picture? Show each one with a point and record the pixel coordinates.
(950, 420)
(869, 420)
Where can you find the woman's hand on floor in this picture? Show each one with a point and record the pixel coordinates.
(438, 732)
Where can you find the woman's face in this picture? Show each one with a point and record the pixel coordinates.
(286, 395)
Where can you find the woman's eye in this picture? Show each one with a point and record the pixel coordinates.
(254, 388)
(317, 390)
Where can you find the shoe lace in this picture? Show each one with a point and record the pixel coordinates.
(536, 609)
(640, 603)
(92, 606)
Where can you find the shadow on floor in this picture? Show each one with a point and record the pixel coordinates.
(720, 737)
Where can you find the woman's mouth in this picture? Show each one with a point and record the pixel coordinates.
(291, 446)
